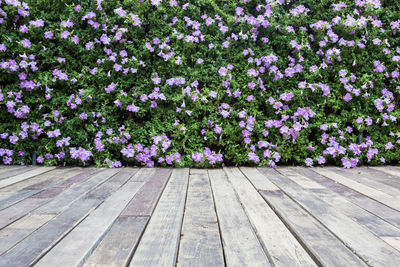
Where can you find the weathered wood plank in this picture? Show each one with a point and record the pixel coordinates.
(118, 245)
(323, 245)
(373, 223)
(24, 176)
(159, 244)
(115, 182)
(395, 171)
(144, 174)
(299, 179)
(44, 180)
(12, 171)
(15, 212)
(382, 211)
(368, 246)
(200, 243)
(51, 205)
(17, 231)
(42, 240)
(74, 249)
(361, 188)
(144, 201)
(16, 196)
(64, 199)
(377, 175)
(280, 244)
(196, 171)
(29, 250)
(57, 188)
(367, 179)
(394, 241)
(258, 179)
(240, 243)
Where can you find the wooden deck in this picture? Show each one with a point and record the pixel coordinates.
(291, 216)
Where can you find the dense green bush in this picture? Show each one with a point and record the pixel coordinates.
(202, 83)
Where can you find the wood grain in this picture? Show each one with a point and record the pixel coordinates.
(380, 196)
(145, 200)
(159, 244)
(368, 246)
(83, 239)
(240, 242)
(200, 243)
(281, 245)
(118, 245)
(23, 176)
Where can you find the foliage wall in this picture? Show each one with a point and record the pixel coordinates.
(199, 83)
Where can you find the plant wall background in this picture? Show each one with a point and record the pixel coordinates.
(199, 83)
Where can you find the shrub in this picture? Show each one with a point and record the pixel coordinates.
(202, 83)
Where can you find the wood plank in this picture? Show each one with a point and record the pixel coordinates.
(29, 250)
(42, 181)
(373, 223)
(145, 174)
(326, 249)
(299, 179)
(23, 176)
(17, 231)
(368, 246)
(144, 201)
(52, 205)
(3, 168)
(12, 171)
(16, 196)
(119, 243)
(240, 243)
(361, 188)
(395, 171)
(34, 246)
(258, 179)
(200, 243)
(394, 241)
(380, 176)
(159, 244)
(368, 179)
(196, 171)
(74, 249)
(63, 200)
(382, 211)
(115, 182)
(279, 243)
(61, 185)
(15, 212)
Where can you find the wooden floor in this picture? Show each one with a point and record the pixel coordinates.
(291, 216)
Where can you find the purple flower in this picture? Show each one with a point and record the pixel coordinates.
(347, 97)
(48, 35)
(89, 46)
(40, 159)
(120, 12)
(26, 43)
(389, 145)
(3, 47)
(64, 34)
(197, 157)
(321, 160)
(222, 72)
(309, 162)
(75, 39)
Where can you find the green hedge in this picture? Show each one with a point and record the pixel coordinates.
(202, 83)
